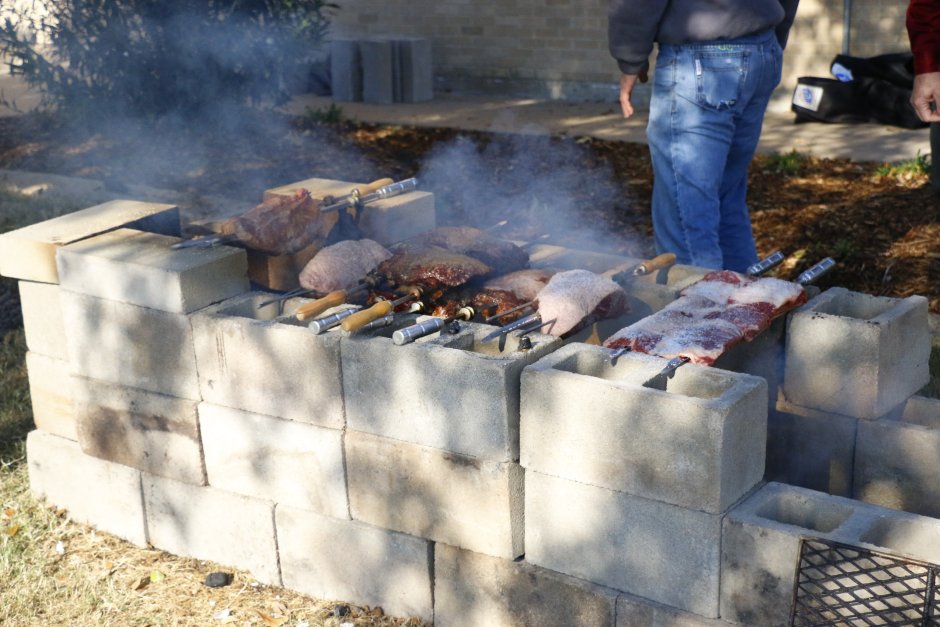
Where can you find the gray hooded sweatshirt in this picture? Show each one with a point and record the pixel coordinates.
(633, 25)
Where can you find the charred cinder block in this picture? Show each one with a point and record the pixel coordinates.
(698, 443)
(50, 392)
(623, 541)
(209, 524)
(284, 461)
(434, 494)
(264, 361)
(475, 589)
(95, 492)
(761, 545)
(137, 347)
(449, 392)
(42, 319)
(856, 354)
(141, 269)
(344, 559)
(29, 253)
(152, 432)
(897, 462)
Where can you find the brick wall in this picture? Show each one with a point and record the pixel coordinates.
(559, 47)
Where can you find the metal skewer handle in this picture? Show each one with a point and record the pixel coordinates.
(816, 271)
(771, 261)
(415, 331)
(322, 325)
(395, 189)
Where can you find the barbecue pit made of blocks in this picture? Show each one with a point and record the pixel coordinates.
(187, 401)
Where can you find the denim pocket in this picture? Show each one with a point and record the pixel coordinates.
(719, 77)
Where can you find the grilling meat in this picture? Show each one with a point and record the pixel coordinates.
(432, 268)
(497, 295)
(342, 265)
(574, 299)
(711, 316)
(281, 225)
(499, 254)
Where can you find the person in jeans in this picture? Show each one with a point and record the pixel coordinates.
(718, 63)
(923, 29)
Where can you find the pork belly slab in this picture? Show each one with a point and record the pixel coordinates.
(574, 299)
(342, 265)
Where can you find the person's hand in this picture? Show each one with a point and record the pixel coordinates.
(925, 97)
(627, 82)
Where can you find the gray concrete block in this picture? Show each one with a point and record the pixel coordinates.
(475, 589)
(343, 559)
(129, 345)
(449, 392)
(761, 544)
(430, 493)
(658, 551)
(50, 392)
(416, 69)
(42, 319)
(141, 269)
(95, 492)
(636, 612)
(29, 253)
(345, 70)
(151, 432)
(252, 359)
(897, 462)
(210, 524)
(762, 357)
(378, 70)
(856, 354)
(284, 461)
(699, 444)
(812, 449)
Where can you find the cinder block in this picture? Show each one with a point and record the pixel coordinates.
(50, 392)
(700, 443)
(475, 589)
(451, 392)
(343, 559)
(636, 612)
(42, 319)
(856, 354)
(417, 77)
(95, 492)
(129, 345)
(430, 493)
(761, 544)
(287, 462)
(378, 70)
(29, 253)
(141, 269)
(897, 462)
(648, 548)
(345, 70)
(210, 524)
(252, 359)
(812, 449)
(151, 432)
(762, 357)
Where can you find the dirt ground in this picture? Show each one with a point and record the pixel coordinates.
(881, 224)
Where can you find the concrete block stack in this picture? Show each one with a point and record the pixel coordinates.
(382, 70)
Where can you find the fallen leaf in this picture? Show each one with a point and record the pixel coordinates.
(9, 512)
(156, 576)
(142, 583)
(12, 530)
(271, 621)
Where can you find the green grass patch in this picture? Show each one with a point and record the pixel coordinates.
(787, 163)
(918, 166)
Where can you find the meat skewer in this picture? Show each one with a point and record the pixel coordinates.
(770, 261)
(429, 326)
(378, 310)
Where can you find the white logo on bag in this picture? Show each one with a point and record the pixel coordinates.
(808, 97)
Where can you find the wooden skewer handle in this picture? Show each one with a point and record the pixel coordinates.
(658, 262)
(318, 306)
(364, 317)
(374, 185)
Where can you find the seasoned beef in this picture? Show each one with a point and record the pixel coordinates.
(342, 265)
(576, 298)
(432, 268)
(500, 255)
(281, 225)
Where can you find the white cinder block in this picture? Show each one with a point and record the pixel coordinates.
(284, 461)
(343, 559)
(95, 492)
(50, 390)
(206, 523)
(141, 269)
(29, 253)
(42, 319)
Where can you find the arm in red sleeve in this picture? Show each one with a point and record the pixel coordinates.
(923, 29)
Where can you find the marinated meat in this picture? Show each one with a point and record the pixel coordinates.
(575, 298)
(501, 255)
(711, 316)
(342, 265)
(432, 268)
(281, 225)
(524, 285)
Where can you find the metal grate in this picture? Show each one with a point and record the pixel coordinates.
(842, 585)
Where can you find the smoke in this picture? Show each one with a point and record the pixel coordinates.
(545, 187)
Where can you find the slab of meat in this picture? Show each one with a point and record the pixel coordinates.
(496, 295)
(574, 299)
(342, 265)
(501, 255)
(281, 225)
(711, 316)
(432, 268)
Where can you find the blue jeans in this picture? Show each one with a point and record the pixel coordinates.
(706, 114)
